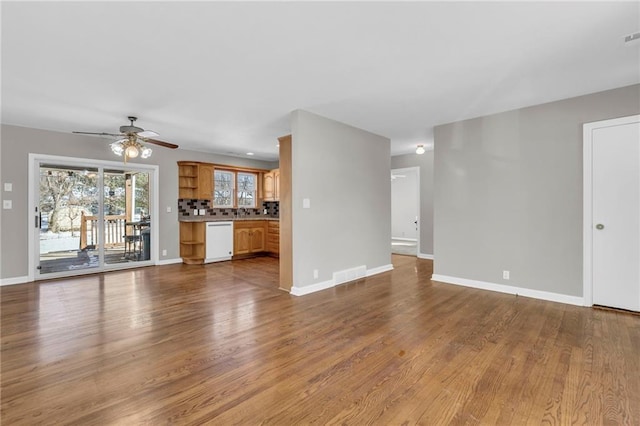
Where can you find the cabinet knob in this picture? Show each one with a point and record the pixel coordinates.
(599, 226)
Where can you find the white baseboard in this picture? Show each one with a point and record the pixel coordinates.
(379, 269)
(425, 256)
(14, 280)
(307, 289)
(501, 288)
(169, 261)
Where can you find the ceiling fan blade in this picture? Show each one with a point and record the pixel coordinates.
(161, 143)
(148, 134)
(99, 134)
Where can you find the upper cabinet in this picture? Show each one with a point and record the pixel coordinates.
(271, 185)
(205, 181)
(195, 180)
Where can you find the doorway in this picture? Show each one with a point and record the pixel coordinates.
(90, 216)
(405, 211)
(612, 213)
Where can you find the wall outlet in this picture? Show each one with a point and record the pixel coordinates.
(8, 187)
(168, 209)
(195, 212)
(203, 212)
(7, 204)
(164, 252)
(505, 275)
(315, 273)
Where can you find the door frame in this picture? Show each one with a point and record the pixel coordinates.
(415, 169)
(587, 199)
(34, 170)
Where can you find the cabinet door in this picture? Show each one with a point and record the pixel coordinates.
(257, 239)
(242, 241)
(276, 184)
(205, 182)
(268, 185)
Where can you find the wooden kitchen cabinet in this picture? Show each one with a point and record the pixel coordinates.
(195, 180)
(249, 237)
(192, 242)
(205, 181)
(271, 185)
(273, 237)
(268, 186)
(276, 184)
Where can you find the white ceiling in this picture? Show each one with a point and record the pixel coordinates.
(223, 77)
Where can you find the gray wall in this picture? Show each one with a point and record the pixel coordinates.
(508, 192)
(18, 142)
(425, 163)
(344, 171)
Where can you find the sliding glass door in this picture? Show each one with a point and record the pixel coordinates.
(91, 218)
(68, 195)
(126, 216)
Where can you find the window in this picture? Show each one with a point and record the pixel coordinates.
(246, 190)
(223, 188)
(235, 189)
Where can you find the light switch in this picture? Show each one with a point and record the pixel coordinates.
(168, 209)
(7, 204)
(306, 203)
(8, 187)
(195, 212)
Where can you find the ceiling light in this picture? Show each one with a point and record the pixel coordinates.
(420, 150)
(250, 153)
(131, 151)
(130, 148)
(146, 152)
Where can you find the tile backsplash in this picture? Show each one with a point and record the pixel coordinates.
(186, 206)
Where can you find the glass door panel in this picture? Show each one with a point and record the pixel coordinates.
(68, 215)
(126, 216)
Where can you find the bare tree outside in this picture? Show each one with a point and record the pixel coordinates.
(64, 191)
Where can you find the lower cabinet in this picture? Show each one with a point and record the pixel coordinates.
(273, 237)
(192, 242)
(249, 237)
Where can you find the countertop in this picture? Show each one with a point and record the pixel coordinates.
(225, 219)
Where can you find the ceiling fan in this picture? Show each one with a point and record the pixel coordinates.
(132, 139)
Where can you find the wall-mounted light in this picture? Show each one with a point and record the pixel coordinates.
(420, 150)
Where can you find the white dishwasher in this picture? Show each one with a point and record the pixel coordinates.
(219, 242)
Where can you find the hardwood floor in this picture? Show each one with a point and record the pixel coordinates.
(220, 344)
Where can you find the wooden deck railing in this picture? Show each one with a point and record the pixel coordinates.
(114, 230)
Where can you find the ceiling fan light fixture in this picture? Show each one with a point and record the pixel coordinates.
(131, 151)
(131, 143)
(145, 152)
(117, 148)
(420, 150)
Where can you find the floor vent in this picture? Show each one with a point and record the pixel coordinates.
(349, 274)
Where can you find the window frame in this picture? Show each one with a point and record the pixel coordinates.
(235, 172)
(232, 190)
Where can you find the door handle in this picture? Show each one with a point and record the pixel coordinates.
(599, 226)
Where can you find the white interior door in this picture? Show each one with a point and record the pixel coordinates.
(405, 211)
(615, 221)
